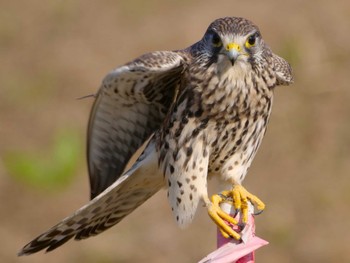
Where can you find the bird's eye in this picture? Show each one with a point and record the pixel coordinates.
(216, 40)
(251, 40)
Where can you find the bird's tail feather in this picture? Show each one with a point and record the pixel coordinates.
(131, 190)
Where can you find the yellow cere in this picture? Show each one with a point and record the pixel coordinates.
(230, 46)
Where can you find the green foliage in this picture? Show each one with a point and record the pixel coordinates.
(50, 170)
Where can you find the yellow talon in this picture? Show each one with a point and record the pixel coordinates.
(240, 198)
(216, 200)
(218, 216)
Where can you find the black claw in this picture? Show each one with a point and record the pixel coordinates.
(240, 239)
(242, 225)
(258, 212)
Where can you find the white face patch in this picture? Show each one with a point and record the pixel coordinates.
(235, 72)
(238, 39)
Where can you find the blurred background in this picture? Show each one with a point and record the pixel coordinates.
(53, 52)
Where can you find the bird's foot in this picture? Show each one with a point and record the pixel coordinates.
(239, 198)
(220, 218)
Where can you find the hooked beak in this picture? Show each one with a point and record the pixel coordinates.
(233, 50)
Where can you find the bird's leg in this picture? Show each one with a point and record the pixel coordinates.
(239, 197)
(220, 217)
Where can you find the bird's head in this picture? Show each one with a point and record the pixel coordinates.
(234, 41)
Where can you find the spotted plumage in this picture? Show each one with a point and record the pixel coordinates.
(204, 110)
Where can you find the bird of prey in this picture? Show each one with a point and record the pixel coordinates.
(203, 110)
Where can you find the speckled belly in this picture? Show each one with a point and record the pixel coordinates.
(233, 148)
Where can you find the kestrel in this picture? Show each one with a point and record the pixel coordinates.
(204, 110)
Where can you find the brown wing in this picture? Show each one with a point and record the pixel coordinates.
(131, 104)
(283, 70)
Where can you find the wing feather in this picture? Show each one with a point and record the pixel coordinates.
(283, 70)
(128, 192)
(130, 105)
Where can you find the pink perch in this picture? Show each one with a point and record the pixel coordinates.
(230, 250)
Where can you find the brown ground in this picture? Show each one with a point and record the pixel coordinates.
(55, 51)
